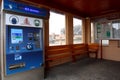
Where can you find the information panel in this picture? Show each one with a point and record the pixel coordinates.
(103, 30)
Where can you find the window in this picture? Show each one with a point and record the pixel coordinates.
(116, 29)
(92, 33)
(105, 42)
(77, 31)
(57, 29)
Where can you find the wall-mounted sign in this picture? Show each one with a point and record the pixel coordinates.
(13, 6)
(103, 30)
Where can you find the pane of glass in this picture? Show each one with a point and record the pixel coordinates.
(92, 33)
(77, 31)
(105, 42)
(116, 29)
(56, 29)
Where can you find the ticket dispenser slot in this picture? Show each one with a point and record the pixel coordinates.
(24, 49)
(16, 66)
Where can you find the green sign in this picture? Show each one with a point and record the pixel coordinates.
(37, 22)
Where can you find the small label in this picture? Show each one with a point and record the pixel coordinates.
(18, 57)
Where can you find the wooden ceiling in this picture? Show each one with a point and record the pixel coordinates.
(83, 8)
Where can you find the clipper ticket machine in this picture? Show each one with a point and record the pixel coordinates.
(21, 42)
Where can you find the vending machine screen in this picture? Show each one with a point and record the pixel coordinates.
(16, 36)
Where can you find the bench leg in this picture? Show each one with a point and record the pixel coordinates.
(96, 55)
(88, 54)
(46, 65)
(46, 69)
(73, 59)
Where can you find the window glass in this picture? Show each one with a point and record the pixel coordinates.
(105, 42)
(77, 31)
(92, 33)
(57, 29)
(116, 29)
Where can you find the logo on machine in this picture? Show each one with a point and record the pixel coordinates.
(17, 57)
(26, 21)
(13, 19)
(36, 22)
(10, 6)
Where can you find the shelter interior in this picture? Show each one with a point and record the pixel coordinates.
(74, 27)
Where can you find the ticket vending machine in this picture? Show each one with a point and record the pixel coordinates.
(21, 45)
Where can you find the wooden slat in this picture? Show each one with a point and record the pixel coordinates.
(54, 53)
(79, 49)
(57, 49)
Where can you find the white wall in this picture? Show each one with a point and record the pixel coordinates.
(112, 51)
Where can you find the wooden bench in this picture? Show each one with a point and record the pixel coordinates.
(79, 49)
(93, 48)
(53, 53)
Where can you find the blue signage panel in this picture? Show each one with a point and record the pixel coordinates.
(25, 9)
(24, 49)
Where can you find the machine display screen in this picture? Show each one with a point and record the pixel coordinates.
(16, 36)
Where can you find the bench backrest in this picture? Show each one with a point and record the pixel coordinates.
(52, 50)
(93, 46)
(82, 47)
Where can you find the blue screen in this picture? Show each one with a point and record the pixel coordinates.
(16, 36)
(31, 10)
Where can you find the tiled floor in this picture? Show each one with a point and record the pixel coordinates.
(86, 69)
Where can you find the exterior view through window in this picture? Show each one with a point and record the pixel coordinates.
(116, 29)
(57, 29)
(77, 31)
(92, 33)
